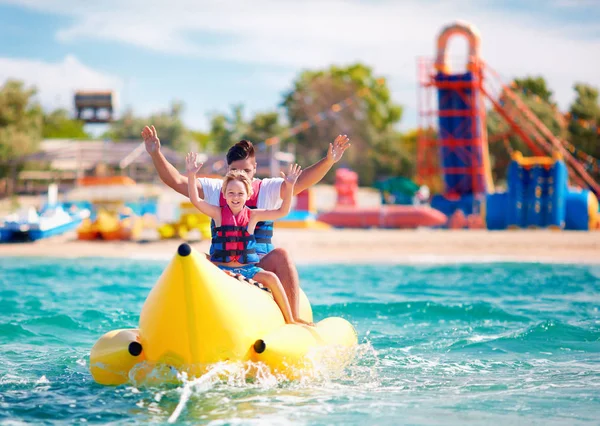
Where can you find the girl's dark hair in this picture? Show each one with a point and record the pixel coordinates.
(240, 151)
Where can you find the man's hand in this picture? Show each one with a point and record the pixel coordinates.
(151, 140)
(293, 174)
(192, 165)
(337, 148)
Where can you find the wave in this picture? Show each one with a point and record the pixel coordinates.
(543, 336)
(421, 310)
(9, 332)
(58, 320)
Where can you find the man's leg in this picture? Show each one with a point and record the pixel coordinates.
(280, 263)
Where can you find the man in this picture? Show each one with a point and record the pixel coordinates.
(241, 156)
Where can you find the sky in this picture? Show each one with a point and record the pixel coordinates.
(213, 54)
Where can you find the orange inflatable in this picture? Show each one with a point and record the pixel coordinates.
(105, 180)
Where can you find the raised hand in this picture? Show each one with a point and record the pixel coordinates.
(293, 174)
(192, 165)
(151, 139)
(337, 148)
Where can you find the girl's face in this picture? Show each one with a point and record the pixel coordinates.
(236, 195)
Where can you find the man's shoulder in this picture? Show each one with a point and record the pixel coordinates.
(268, 181)
(210, 181)
(271, 185)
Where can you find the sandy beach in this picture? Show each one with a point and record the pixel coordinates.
(349, 245)
(359, 246)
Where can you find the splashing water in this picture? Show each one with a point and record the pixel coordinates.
(451, 344)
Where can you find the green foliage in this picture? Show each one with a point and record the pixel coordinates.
(228, 129)
(395, 155)
(369, 120)
(378, 150)
(169, 125)
(534, 86)
(58, 124)
(203, 140)
(585, 120)
(580, 127)
(536, 96)
(20, 122)
(263, 126)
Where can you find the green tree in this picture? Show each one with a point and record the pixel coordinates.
(585, 119)
(20, 124)
(203, 140)
(263, 126)
(408, 154)
(58, 124)
(534, 86)
(228, 129)
(534, 93)
(395, 155)
(369, 118)
(169, 125)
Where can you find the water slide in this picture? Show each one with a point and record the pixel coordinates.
(538, 194)
(462, 134)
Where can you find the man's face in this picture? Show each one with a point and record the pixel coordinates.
(248, 165)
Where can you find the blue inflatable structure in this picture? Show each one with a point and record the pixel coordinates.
(538, 196)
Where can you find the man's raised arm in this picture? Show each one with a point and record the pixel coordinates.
(313, 174)
(166, 171)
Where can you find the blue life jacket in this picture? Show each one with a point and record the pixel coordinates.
(231, 241)
(263, 232)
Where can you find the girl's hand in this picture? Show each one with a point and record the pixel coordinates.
(293, 174)
(191, 163)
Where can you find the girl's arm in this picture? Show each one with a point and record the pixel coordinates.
(192, 167)
(289, 182)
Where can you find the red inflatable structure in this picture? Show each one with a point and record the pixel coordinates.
(347, 214)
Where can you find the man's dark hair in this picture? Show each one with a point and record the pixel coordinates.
(240, 151)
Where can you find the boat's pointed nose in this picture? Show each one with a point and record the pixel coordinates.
(196, 314)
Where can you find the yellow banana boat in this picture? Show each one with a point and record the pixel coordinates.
(196, 315)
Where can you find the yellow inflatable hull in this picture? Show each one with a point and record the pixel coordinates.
(196, 316)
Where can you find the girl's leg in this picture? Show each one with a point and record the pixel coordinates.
(280, 263)
(270, 280)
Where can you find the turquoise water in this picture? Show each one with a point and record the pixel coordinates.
(440, 344)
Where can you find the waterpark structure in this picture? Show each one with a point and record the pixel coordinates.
(551, 189)
(453, 154)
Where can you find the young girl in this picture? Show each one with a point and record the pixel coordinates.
(234, 241)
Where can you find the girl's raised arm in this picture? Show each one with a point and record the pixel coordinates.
(192, 167)
(290, 180)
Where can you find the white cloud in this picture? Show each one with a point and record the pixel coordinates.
(388, 35)
(57, 82)
(575, 3)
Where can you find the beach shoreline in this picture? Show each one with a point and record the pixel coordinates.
(373, 246)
